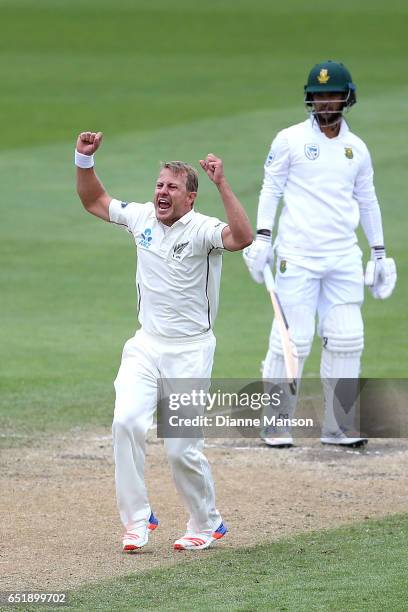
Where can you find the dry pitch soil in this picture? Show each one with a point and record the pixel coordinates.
(60, 526)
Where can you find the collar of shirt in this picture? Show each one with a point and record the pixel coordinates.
(183, 220)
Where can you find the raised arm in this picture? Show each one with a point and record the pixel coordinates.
(238, 233)
(92, 193)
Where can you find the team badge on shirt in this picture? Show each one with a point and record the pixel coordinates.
(146, 238)
(178, 250)
(348, 152)
(282, 267)
(312, 151)
(124, 204)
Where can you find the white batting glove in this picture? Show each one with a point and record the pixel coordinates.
(257, 256)
(381, 274)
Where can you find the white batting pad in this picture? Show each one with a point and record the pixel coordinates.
(343, 329)
(343, 342)
(302, 327)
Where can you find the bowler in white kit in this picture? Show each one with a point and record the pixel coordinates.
(179, 253)
(324, 173)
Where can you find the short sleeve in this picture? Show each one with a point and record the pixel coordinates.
(210, 234)
(125, 214)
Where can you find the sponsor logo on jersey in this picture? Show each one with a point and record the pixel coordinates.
(146, 238)
(178, 249)
(124, 204)
(324, 76)
(270, 158)
(312, 151)
(348, 152)
(283, 266)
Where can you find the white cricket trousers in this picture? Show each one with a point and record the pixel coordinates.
(146, 358)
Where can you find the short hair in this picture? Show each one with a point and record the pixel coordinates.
(179, 167)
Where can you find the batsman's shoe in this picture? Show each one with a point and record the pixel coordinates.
(344, 438)
(279, 442)
(134, 539)
(276, 437)
(198, 541)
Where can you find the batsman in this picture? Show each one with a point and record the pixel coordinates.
(325, 175)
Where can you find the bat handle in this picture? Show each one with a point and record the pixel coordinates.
(269, 280)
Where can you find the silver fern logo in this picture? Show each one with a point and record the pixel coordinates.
(178, 250)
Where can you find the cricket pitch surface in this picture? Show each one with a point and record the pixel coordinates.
(60, 526)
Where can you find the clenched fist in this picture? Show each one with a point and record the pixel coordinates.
(212, 165)
(88, 142)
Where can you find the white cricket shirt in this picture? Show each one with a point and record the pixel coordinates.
(327, 186)
(178, 268)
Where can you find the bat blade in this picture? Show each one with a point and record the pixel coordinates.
(290, 355)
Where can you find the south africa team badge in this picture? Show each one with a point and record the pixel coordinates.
(348, 152)
(312, 151)
(282, 267)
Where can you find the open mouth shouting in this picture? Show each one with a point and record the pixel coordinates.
(171, 198)
(163, 204)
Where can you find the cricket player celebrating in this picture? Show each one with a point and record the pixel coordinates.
(325, 175)
(178, 279)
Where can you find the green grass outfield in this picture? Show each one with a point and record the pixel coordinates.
(163, 83)
(168, 81)
(357, 568)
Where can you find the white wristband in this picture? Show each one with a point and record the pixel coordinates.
(84, 161)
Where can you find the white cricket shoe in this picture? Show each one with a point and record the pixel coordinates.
(351, 439)
(277, 437)
(280, 442)
(134, 539)
(199, 541)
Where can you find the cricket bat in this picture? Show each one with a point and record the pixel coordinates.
(289, 348)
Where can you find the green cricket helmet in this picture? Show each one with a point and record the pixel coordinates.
(331, 77)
